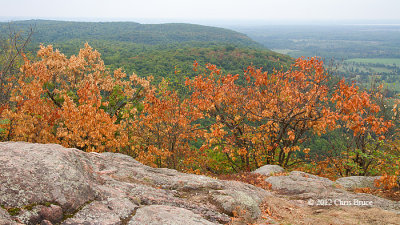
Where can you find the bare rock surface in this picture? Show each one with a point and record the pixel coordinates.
(269, 170)
(167, 215)
(353, 182)
(323, 192)
(50, 184)
(300, 183)
(36, 173)
(111, 211)
(40, 182)
(51, 213)
(5, 218)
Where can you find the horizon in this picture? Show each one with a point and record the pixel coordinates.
(225, 22)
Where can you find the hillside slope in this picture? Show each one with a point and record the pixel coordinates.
(48, 31)
(159, 50)
(163, 51)
(165, 60)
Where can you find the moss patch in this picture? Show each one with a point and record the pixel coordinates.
(13, 211)
(16, 211)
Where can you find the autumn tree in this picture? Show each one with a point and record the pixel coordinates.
(221, 102)
(358, 115)
(264, 120)
(11, 48)
(72, 101)
(165, 130)
(288, 105)
(364, 129)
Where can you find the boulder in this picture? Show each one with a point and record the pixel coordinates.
(354, 182)
(298, 182)
(236, 201)
(269, 170)
(37, 173)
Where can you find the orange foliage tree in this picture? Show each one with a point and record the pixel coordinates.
(358, 112)
(365, 128)
(75, 102)
(265, 120)
(221, 102)
(165, 129)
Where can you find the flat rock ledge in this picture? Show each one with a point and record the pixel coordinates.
(49, 184)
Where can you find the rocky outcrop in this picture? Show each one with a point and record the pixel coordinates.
(50, 184)
(302, 198)
(269, 170)
(318, 191)
(300, 183)
(34, 173)
(168, 215)
(354, 182)
(47, 182)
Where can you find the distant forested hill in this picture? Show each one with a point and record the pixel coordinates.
(161, 50)
(162, 61)
(48, 31)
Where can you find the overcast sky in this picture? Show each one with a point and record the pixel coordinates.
(212, 10)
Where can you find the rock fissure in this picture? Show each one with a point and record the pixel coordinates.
(125, 221)
(70, 215)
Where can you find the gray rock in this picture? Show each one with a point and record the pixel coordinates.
(299, 182)
(52, 214)
(5, 218)
(37, 173)
(236, 202)
(353, 182)
(110, 188)
(269, 170)
(31, 216)
(93, 188)
(166, 215)
(324, 192)
(240, 199)
(110, 212)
